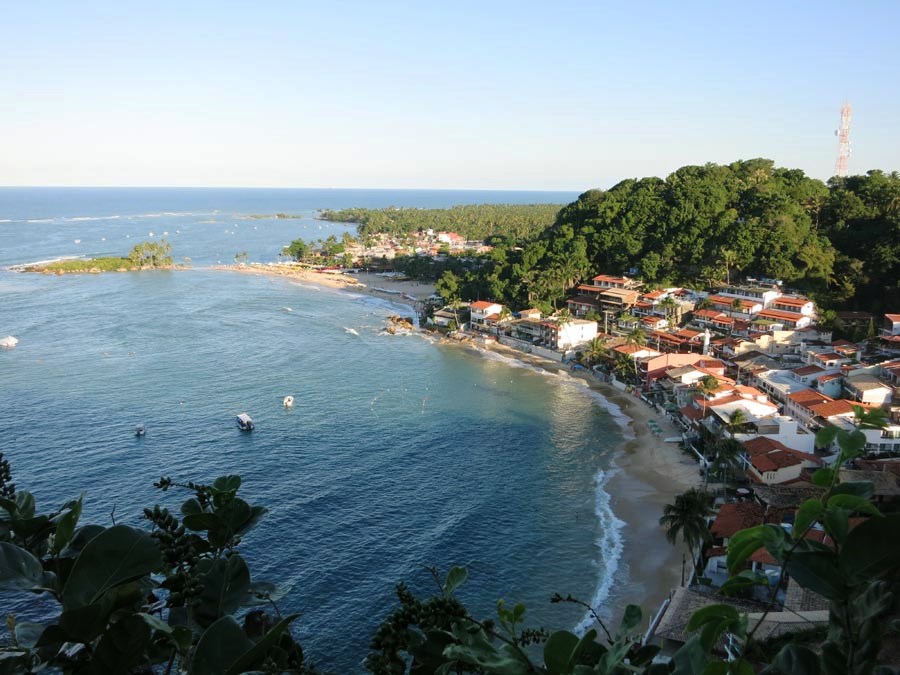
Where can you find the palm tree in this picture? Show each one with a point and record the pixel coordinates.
(737, 305)
(737, 421)
(706, 385)
(505, 315)
(596, 350)
(636, 338)
(687, 519)
(729, 454)
(563, 316)
(669, 306)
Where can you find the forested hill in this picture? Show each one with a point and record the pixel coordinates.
(477, 222)
(840, 241)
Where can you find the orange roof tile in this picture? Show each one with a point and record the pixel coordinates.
(737, 516)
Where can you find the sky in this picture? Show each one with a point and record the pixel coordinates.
(485, 94)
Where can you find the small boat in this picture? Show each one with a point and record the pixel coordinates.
(244, 422)
(9, 342)
(288, 402)
(140, 430)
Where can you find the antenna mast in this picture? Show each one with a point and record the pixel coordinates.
(843, 134)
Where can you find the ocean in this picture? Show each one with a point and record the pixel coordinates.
(399, 454)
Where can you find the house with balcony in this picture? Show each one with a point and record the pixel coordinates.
(776, 319)
(735, 305)
(891, 325)
(796, 304)
(484, 316)
(762, 294)
(580, 305)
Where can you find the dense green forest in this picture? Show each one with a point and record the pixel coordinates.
(475, 222)
(838, 242)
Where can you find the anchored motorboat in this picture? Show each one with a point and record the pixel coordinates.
(288, 402)
(244, 422)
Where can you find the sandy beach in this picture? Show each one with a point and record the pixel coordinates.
(407, 292)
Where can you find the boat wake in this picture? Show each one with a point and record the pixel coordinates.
(350, 330)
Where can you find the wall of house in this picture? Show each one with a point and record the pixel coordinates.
(779, 476)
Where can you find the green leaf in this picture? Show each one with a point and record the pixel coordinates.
(19, 569)
(83, 624)
(455, 577)
(871, 550)
(745, 579)
(825, 437)
(716, 668)
(115, 556)
(221, 645)
(80, 539)
(837, 523)
(690, 658)
(225, 587)
(65, 526)
(823, 477)
(24, 505)
(794, 658)
(27, 633)
(227, 484)
(711, 613)
(862, 488)
(818, 572)
(630, 620)
(256, 654)
(200, 522)
(853, 503)
(191, 507)
(558, 651)
(743, 544)
(122, 646)
(809, 512)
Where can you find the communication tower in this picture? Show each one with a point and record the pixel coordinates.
(843, 134)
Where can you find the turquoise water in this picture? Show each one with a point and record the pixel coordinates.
(399, 453)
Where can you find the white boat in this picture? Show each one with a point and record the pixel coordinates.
(9, 342)
(244, 422)
(288, 402)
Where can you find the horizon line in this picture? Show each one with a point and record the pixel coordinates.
(281, 187)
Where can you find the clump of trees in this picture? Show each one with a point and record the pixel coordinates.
(838, 242)
(151, 254)
(476, 221)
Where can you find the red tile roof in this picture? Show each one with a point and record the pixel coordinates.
(831, 408)
(893, 318)
(778, 315)
(737, 516)
(482, 304)
(796, 301)
(808, 397)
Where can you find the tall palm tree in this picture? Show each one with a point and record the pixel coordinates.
(669, 306)
(728, 458)
(706, 385)
(687, 519)
(636, 338)
(596, 350)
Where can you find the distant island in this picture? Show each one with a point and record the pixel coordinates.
(269, 216)
(143, 256)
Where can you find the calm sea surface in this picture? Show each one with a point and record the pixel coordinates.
(399, 453)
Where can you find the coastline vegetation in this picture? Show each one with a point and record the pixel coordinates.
(477, 221)
(838, 242)
(146, 255)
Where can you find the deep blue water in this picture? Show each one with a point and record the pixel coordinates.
(399, 453)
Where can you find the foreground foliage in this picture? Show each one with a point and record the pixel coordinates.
(122, 600)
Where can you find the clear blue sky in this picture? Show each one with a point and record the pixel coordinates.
(482, 94)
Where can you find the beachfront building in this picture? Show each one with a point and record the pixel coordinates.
(485, 316)
(563, 336)
(867, 389)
